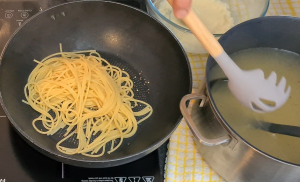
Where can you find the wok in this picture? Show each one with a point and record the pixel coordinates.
(127, 38)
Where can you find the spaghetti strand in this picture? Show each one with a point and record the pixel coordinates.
(86, 96)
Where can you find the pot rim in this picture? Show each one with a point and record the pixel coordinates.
(217, 113)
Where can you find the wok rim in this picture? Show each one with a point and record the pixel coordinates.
(116, 161)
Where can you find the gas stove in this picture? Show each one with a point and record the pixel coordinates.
(20, 162)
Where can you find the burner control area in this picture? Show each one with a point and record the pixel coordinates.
(12, 15)
(17, 13)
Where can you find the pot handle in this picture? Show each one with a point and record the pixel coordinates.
(192, 126)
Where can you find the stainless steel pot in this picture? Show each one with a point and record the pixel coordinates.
(222, 148)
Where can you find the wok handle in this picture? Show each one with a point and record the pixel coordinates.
(192, 126)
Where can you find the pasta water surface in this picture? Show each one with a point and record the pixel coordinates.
(246, 122)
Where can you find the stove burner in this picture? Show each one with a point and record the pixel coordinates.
(20, 162)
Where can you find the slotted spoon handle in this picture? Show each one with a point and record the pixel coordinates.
(210, 43)
(201, 32)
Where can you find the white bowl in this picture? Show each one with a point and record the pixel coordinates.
(240, 11)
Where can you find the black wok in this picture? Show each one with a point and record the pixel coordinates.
(126, 37)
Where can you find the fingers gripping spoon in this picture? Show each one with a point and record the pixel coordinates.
(249, 87)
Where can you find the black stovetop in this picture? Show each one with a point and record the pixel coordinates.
(20, 162)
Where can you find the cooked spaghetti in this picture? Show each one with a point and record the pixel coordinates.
(88, 98)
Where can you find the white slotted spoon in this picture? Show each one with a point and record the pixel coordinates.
(249, 87)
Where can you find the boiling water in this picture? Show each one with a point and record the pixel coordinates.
(242, 120)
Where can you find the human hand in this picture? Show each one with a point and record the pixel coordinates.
(181, 8)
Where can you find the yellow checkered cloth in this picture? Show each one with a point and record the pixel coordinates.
(184, 162)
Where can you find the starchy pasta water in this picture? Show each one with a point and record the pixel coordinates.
(246, 122)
